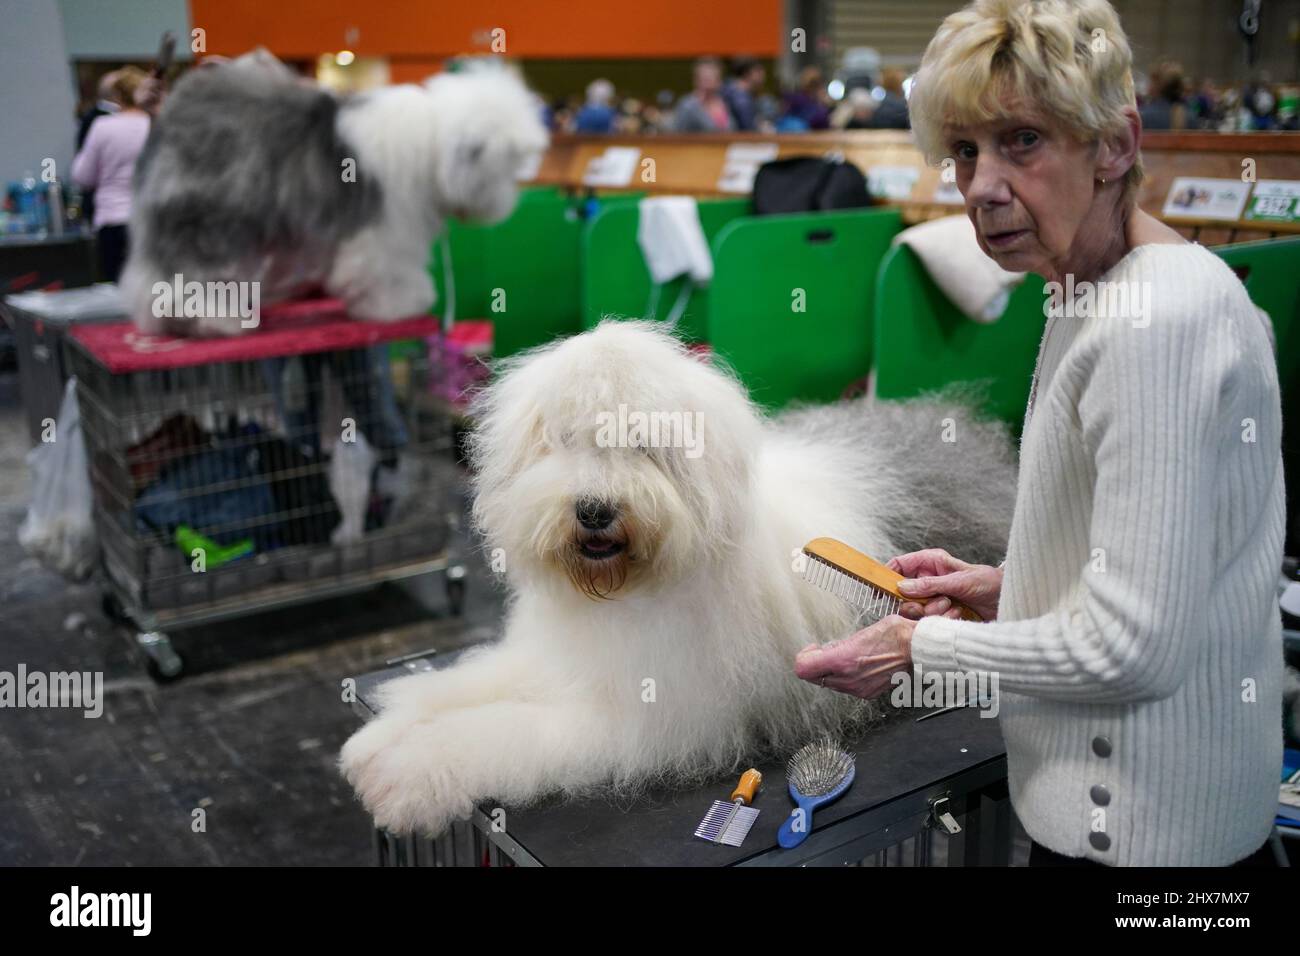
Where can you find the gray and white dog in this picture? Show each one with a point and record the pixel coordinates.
(252, 174)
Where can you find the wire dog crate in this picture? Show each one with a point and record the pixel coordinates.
(238, 475)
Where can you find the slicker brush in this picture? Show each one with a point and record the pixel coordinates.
(818, 773)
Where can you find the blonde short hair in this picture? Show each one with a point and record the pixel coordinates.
(125, 82)
(1070, 57)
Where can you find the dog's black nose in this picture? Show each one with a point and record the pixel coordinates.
(593, 514)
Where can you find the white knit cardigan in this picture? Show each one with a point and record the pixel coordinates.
(1138, 642)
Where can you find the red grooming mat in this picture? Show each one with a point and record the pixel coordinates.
(288, 328)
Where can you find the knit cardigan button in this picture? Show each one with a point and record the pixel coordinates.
(1099, 841)
(1100, 794)
(1101, 746)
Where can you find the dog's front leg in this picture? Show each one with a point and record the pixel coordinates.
(419, 776)
(378, 276)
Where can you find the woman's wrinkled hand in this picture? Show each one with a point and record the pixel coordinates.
(863, 663)
(935, 579)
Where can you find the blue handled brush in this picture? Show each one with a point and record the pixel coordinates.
(819, 773)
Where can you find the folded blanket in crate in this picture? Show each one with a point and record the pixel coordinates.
(254, 486)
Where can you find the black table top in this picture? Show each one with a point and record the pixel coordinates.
(897, 757)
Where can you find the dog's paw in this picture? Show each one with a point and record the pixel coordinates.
(402, 777)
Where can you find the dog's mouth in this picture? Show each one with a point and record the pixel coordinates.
(599, 560)
(601, 548)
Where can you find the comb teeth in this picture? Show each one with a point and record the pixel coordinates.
(711, 828)
(819, 767)
(867, 598)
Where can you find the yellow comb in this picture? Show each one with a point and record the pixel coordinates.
(861, 581)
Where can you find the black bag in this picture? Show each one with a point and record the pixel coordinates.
(809, 184)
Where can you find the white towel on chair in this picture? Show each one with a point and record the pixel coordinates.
(672, 239)
(951, 254)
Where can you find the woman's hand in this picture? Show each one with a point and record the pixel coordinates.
(863, 663)
(937, 579)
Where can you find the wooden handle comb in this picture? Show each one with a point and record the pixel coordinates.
(750, 781)
(857, 565)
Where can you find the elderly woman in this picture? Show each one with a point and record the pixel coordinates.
(1133, 626)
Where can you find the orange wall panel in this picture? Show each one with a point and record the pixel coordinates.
(533, 28)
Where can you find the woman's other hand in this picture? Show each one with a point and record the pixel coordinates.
(935, 579)
(864, 663)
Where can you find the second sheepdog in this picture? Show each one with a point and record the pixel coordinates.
(655, 610)
(253, 175)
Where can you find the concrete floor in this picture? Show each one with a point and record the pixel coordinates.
(249, 735)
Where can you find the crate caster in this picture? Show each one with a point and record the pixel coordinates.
(163, 663)
(456, 589)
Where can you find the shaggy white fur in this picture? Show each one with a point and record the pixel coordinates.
(449, 148)
(253, 175)
(655, 607)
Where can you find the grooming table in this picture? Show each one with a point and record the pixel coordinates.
(913, 779)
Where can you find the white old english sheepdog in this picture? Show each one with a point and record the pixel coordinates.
(252, 174)
(655, 610)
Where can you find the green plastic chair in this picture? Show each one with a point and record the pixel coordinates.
(1270, 271)
(524, 273)
(924, 343)
(791, 304)
(616, 282)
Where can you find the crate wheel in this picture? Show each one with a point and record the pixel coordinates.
(456, 589)
(162, 661)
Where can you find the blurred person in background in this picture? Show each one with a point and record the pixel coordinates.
(104, 105)
(1233, 116)
(892, 111)
(638, 118)
(106, 163)
(564, 112)
(742, 91)
(1165, 108)
(597, 115)
(1261, 103)
(703, 110)
(855, 112)
(808, 105)
(1203, 106)
(657, 116)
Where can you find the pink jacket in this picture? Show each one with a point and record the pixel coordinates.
(107, 161)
